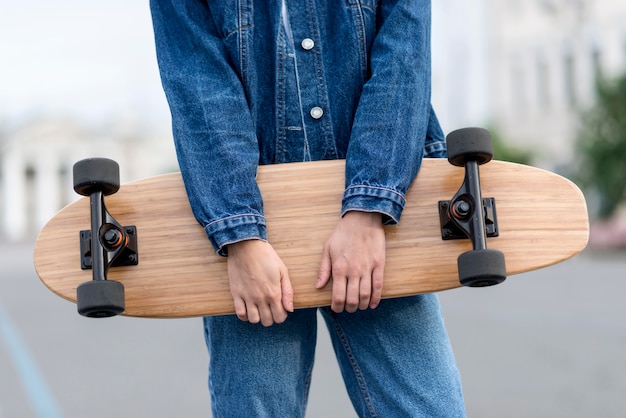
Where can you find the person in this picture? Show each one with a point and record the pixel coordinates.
(275, 81)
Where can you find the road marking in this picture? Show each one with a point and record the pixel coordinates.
(41, 399)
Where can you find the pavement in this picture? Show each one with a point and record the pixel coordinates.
(549, 343)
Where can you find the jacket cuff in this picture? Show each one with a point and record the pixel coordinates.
(234, 229)
(385, 201)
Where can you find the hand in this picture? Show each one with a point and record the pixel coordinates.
(259, 283)
(354, 256)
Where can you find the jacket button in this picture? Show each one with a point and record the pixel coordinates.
(317, 112)
(307, 44)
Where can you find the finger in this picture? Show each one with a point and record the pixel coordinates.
(339, 293)
(365, 292)
(266, 316)
(352, 294)
(240, 309)
(324, 272)
(279, 304)
(377, 287)
(254, 316)
(278, 313)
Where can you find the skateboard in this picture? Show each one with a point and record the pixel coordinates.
(137, 250)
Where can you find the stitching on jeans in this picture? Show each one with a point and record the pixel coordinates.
(355, 367)
(307, 389)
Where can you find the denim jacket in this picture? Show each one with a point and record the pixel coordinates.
(274, 81)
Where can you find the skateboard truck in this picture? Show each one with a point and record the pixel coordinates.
(468, 215)
(106, 244)
(450, 230)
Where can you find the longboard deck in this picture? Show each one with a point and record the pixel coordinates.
(542, 220)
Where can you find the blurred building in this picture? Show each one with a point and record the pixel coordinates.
(548, 56)
(36, 162)
(460, 61)
(525, 67)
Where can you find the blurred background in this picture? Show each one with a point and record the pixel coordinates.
(547, 77)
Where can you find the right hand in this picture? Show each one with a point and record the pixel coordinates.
(354, 257)
(259, 283)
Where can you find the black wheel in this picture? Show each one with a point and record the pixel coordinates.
(469, 144)
(480, 268)
(100, 298)
(96, 175)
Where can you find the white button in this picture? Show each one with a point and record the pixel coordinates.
(317, 112)
(307, 44)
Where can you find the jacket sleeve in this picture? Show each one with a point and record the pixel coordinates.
(393, 114)
(213, 131)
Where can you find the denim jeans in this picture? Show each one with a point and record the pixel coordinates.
(253, 82)
(396, 361)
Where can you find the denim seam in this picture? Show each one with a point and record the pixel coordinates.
(305, 150)
(320, 83)
(242, 45)
(226, 220)
(218, 234)
(358, 374)
(434, 148)
(307, 389)
(375, 191)
(361, 33)
(281, 71)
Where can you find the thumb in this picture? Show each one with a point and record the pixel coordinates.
(287, 292)
(325, 269)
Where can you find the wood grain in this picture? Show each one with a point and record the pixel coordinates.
(542, 220)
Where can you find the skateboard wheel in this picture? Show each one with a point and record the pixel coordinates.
(96, 175)
(100, 298)
(480, 268)
(469, 144)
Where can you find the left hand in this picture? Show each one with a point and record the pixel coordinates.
(354, 256)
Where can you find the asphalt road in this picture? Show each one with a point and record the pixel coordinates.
(550, 343)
